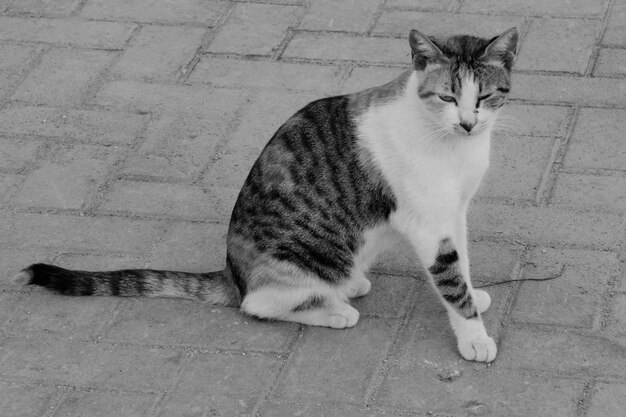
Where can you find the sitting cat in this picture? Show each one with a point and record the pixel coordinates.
(320, 202)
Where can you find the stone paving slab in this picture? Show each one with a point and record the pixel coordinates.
(127, 128)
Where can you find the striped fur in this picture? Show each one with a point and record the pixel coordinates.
(449, 280)
(210, 287)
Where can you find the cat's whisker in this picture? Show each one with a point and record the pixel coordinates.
(435, 134)
(509, 123)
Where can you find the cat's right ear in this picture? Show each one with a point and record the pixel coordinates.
(424, 51)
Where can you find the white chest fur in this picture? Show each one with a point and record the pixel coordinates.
(427, 172)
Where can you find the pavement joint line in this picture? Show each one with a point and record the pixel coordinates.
(59, 45)
(382, 368)
(603, 317)
(593, 59)
(607, 379)
(290, 32)
(93, 203)
(595, 172)
(455, 8)
(358, 408)
(538, 16)
(564, 329)
(311, 61)
(97, 253)
(166, 231)
(170, 391)
(16, 104)
(544, 192)
(547, 244)
(552, 73)
(351, 34)
(280, 49)
(105, 74)
(100, 332)
(559, 376)
(121, 20)
(100, 214)
(154, 179)
(393, 410)
(548, 175)
(567, 104)
(62, 139)
(68, 387)
(196, 350)
(268, 393)
(47, 149)
(196, 25)
(208, 38)
(222, 143)
(186, 348)
(554, 326)
(184, 71)
(34, 60)
(79, 8)
(517, 273)
(380, 9)
(397, 274)
(55, 402)
(584, 399)
(278, 3)
(15, 292)
(344, 73)
(613, 47)
(507, 201)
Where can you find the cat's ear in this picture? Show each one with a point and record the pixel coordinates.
(424, 51)
(502, 49)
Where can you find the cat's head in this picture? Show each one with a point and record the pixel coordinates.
(464, 80)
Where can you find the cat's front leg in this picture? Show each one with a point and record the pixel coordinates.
(439, 252)
(481, 297)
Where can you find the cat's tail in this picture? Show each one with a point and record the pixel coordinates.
(212, 287)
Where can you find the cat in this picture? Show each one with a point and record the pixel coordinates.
(335, 183)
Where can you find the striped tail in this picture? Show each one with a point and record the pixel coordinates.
(212, 287)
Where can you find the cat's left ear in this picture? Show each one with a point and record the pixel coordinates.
(502, 49)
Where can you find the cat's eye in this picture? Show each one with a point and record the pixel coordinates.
(447, 99)
(481, 98)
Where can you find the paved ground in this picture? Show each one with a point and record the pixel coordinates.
(126, 129)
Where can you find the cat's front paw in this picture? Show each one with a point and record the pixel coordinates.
(480, 349)
(482, 299)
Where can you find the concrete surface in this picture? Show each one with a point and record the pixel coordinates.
(127, 127)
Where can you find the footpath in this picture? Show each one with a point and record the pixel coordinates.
(127, 128)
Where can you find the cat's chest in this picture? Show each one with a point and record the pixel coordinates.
(446, 174)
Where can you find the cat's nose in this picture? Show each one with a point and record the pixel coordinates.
(467, 125)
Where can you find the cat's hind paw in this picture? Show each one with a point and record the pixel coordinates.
(344, 316)
(357, 287)
(480, 349)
